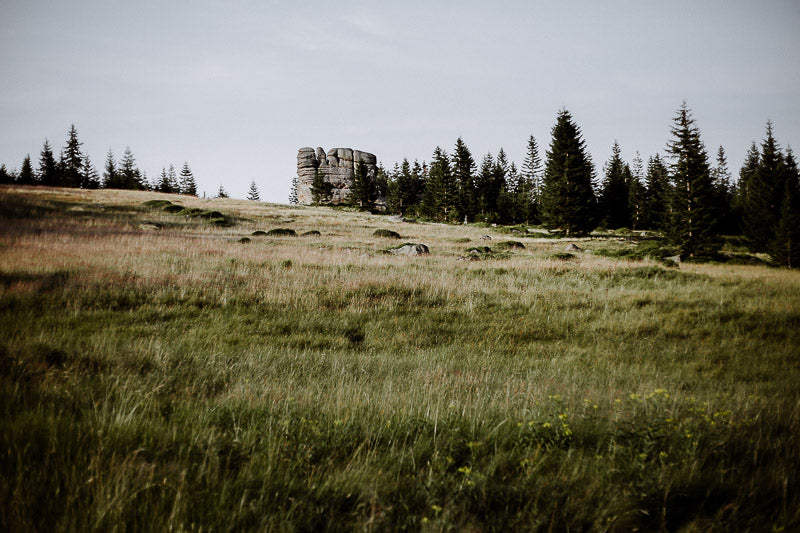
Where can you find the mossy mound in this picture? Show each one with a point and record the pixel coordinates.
(386, 234)
(312, 233)
(172, 208)
(281, 232)
(244, 240)
(563, 256)
(156, 204)
(258, 233)
(508, 245)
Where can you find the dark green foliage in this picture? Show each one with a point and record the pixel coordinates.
(691, 224)
(90, 179)
(5, 177)
(26, 175)
(129, 175)
(637, 193)
(463, 171)
(362, 191)
(763, 191)
(71, 164)
(281, 232)
(785, 244)
(386, 234)
(615, 197)
(164, 184)
(174, 208)
(656, 200)
(531, 184)
(653, 249)
(441, 191)
(508, 245)
(568, 199)
(724, 193)
(320, 189)
(744, 190)
(111, 176)
(221, 193)
(253, 194)
(188, 185)
(48, 168)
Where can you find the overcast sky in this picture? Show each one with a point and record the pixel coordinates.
(235, 88)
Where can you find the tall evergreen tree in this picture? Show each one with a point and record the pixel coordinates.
(691, 225)
(568, 199)
(615, 197)
(90, 179)
(636, 192)
(762, 203)
(253, 194)
(71, 160)
(26, 175)
(532, 170)
(785, 245)
(163, 184)
(463, 173)
(188, 185)
(5, 177)
(362, 191)
(111, 177)
(723, 195)
(439, 198)
(48, 168)
(129, 174)
(221, 193)
(657, 194)
(484, 185)
(408, 186)
(320, 188)
(744, 189)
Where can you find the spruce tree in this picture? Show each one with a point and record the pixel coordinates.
(188, 185)
(723, 195)
(90, 179)
(130, 177)
(5, 177)
(691, 223)
(568, 199)
(463, 171)
(656, 195)
(253, 194)
(48, 169)
(111, 177)
(636, 192)
(439, 198)
(71, 160)
(26, 175)
(785, 245)
(532, 170)
(362, 190)
(744, 188)
(320, 188)
(221, 193)
(163, 184)
(484, 185)
(615, 196)
(762, 203)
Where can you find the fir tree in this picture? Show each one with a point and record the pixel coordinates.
(568, 199)
(484, 185)
(221, 192)
(172, 178)
(744, 190)
(293, 200)
(48, 169)
(381, 182)
(656, 196)
(71, 160)
(362, 191)
(615, 197)
(163, 185)
(636, 192)
(111, 177)
(253, 194)
(129, 175)
(532, 170)
(762, 203)
(26, 175)
(439, 198)
(723, 195)
(90, 179)
(320, 188)
(5, 177)
(187, 183)
(691, 225)
(463, 171)
(785, 245)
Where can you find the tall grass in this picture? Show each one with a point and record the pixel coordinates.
(176, 378)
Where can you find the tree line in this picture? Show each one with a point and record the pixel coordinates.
(74, 168)
(690, 200)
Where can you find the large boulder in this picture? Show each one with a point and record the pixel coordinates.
(337, 167)
(410, 250)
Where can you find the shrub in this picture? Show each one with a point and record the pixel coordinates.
(386, 234)
(281, 232)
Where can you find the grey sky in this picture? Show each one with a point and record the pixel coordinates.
(235, 88)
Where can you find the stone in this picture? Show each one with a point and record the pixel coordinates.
(411, 250)
(486, 238)
(675, 259)
(396, 219)
(337, 167)
(572, 247)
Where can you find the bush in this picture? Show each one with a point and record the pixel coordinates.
(386, 234)
(281, 232)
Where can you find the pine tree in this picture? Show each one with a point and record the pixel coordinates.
(163, 185)
(785, 245)
(484, 185)
(172, 179)
(615, 197)
(253, 194)
(439, 198)
(71, 160)
(187, 183)
(463, 171)
(48, 169)
(26, 175)
(129, 175)
(691, 225)
(532, 170)
(293, 199)
(320, 188)
(111, 177)
(636, 192)
(744, 188)
(762, 203)
(5, 177)
(90, 179)
(362, 191)
(723, 195)
(381, 182)
(658, 192)
(568, 199)
(221, 192)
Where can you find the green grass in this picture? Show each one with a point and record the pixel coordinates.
(180, 380)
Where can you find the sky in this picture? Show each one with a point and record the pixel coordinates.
(236, 88)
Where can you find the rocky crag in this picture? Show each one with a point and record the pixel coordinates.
(337, 167)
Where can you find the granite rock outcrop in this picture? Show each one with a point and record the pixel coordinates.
(337, 167)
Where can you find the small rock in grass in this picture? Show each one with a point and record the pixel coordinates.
(411, 250)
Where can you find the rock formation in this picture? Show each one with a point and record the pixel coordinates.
(336, 166)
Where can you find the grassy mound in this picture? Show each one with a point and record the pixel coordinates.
(281, 232)
(386, 234)
(509, 245)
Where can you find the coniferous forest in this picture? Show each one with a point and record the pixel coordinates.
(684, 195)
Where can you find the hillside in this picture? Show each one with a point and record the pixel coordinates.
(165, 367)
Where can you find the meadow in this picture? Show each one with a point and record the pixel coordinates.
(166, 369)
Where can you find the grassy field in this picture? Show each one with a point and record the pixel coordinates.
(157, 372)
